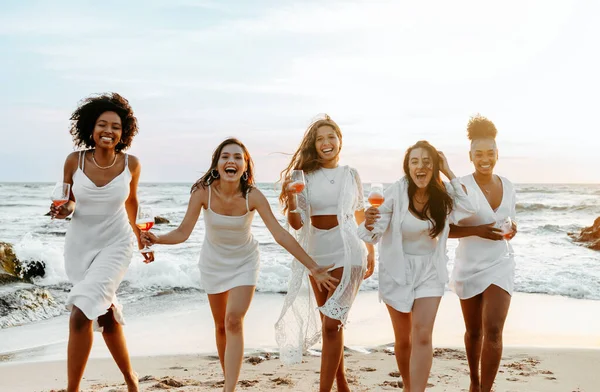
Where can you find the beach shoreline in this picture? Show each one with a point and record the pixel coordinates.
(170, 334)
(530, 369)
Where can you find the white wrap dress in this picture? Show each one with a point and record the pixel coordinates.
(480, 262)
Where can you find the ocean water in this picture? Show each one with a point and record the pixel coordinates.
(548, 262)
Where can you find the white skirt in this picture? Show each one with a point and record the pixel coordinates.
(424, 283)
(326, 247)
(501, 274)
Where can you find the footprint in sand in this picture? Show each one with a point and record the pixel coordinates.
(393, 384)
(167, 383)
(368, 369)
(282, 381)
(248, 383)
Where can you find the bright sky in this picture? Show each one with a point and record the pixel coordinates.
(389, 72)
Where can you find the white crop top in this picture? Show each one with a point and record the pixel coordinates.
(325, 187)
(415, 236)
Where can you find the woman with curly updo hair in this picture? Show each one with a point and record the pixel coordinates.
(484, 267)
(98, 244)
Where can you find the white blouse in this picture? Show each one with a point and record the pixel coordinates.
(388, 229)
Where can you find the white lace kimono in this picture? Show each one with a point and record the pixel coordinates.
(299, 324)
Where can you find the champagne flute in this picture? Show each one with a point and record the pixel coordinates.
(376, 197)
(506, 225)
(60, 194)
(144, 221)
(297, 184)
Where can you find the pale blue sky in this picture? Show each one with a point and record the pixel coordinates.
(389, 72)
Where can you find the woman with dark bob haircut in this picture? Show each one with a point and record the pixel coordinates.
(98, 244)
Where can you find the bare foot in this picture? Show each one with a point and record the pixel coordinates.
(342, 384)
(132, 383)
(474, 388)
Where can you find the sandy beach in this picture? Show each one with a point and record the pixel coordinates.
(530, 370)
(551, 344)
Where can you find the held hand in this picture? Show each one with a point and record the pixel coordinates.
(148, 238)
(323, 279)
(445, 167)
(59, 212)
(300, 202)
(286, 185)
(370, 265)
(514, 231)
(489, 232)
(148, 257)
(371, 216)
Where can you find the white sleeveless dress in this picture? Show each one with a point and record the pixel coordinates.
(229, 257)
(98, 243)
(480, 262)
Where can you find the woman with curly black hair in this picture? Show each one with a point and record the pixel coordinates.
(98, 244)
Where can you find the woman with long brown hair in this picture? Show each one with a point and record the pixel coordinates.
(325, 220)
(412, 225)
(229, 259)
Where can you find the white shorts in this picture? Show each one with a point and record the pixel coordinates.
(327, 247)
(423, 279)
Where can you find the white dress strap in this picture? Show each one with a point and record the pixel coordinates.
(81, 159)
(126, 160)
(247, 197)
(209, 193)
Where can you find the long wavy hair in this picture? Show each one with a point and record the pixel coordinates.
(213, 174)
(306, 157)
(440, 204)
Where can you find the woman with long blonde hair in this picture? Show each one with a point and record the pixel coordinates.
(325, 216)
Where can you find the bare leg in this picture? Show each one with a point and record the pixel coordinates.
(423, 318)
(333, 344)
(402, 343)
(218, 306)
(472, 309)
(340, 376)
(81, 338)
(496, 302)
(115, 341)
(238, 303)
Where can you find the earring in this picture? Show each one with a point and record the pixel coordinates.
(245, 176)
(214, 173)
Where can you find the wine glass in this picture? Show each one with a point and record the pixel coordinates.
(296, 185)
(60, 194)
(376, 197)
(144, 221)
(506, 226)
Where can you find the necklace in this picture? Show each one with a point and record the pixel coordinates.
(103, 167)
(483, 188)
(420, 201)
(331, 180)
